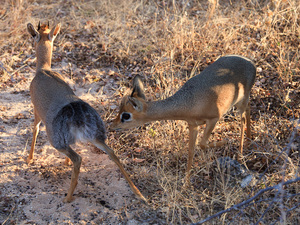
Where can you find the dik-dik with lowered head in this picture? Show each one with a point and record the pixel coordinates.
(67, 118)
(203, 99)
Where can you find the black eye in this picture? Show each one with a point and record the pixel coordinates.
(125, 117)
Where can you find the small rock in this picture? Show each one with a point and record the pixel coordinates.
(234, 173)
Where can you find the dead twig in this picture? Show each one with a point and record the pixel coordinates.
(12, 209)
(237, 206)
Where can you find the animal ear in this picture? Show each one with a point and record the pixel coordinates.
(33, 32)
(54, 31)
(138, 88)
(137, 104)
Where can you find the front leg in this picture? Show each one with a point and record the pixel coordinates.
(193, 131)
(36, 128)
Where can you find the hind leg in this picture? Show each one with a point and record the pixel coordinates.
(101, 145)
(248, 122)
(76, 159)
(36, 128)
(244, 110)
(243, 121)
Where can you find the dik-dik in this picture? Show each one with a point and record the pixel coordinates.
(203, 99)
(67, 118)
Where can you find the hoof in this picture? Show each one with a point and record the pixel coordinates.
(187, 182)
(68, 199)
(29, 161)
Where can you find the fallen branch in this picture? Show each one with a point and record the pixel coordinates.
(237, 206)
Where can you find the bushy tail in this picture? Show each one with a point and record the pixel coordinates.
(76, 121)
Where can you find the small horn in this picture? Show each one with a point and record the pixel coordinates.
(39, 26)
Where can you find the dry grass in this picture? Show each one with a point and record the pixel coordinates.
(168, 42)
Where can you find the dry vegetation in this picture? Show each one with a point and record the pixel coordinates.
(103, 44)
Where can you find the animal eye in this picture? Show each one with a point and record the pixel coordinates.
(125, 117)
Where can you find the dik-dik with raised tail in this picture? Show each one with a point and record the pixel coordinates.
(67, 118)
(203, 99)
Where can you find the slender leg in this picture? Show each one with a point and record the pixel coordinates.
(243, 121)
(36, 128)
(210, 125)
(76, 159)
(113, 157)
(193, 131)
(248, 122)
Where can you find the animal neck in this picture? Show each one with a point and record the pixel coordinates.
(163, 110)
(44, 56)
